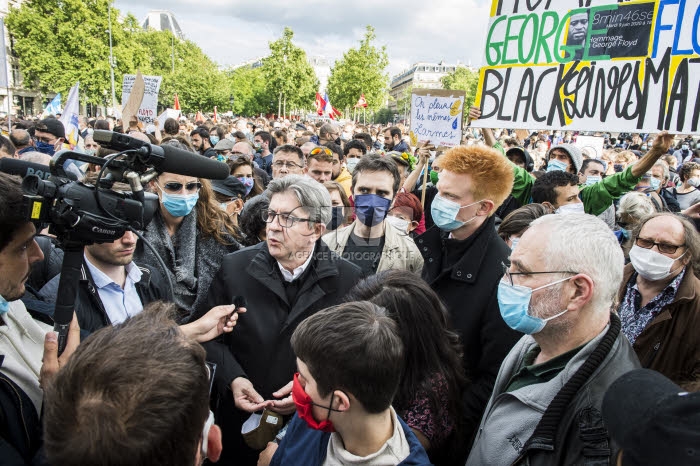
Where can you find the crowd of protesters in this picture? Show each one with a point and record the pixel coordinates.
(343, 297)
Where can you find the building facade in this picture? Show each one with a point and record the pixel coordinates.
(421, 75)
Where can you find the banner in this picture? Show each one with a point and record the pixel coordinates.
(167, 113)
(70, 115)
(149, 105)
(436, 116)
(591, 65)
(53, 107)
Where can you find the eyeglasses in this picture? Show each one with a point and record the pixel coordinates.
(288, 165)
(45, 140)
(175, 187)
(285, 219)
(318, 150)
(663, 247)
(508, 276)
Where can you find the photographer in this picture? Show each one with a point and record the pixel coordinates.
(24, 341)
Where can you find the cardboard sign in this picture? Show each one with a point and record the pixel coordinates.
(591, 145)
(592, 65)
(436, 116)
(149, 104)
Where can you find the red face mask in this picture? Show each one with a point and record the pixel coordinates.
(305, 408)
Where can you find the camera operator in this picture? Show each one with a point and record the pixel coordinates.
(23, 339)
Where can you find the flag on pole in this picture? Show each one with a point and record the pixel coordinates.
(176, 105)
(362, 102)
(320, 104)
(53, 107)
(330, 110)
(199, 117)
(70, 114)
(216, 115)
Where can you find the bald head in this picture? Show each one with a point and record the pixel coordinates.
(307, 147)
(20, 138)
(242, 148)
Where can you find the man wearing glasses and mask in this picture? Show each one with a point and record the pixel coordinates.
(284, 280)
(545, 408)
(660, 298)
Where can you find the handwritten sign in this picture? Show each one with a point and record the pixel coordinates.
(591, 65)
(149, 105)
(436, 116)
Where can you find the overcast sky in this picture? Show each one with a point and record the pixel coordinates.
(232, 32)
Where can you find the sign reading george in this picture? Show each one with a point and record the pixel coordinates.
(149, 105)
(436, 116)
(590, 64)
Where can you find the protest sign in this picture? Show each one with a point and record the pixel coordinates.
(436, 116)
(592, 65)
(167, 113)
(591, 145)
(149, 105)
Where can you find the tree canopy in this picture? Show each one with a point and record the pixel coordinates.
(288, 74)
(361, 71)
(61, 42)
(464, 79)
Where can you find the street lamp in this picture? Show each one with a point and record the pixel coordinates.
(231, 100)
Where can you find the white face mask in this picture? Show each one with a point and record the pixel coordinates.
(397, 222)
(513, 243)
(567, 209)
(650, 264)
(351, 163)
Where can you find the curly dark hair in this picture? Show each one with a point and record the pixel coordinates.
(250, 220)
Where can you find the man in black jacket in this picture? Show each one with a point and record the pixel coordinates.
(464, 262)
(283, 280)
(112, 287)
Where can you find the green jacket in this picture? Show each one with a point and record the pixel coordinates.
(596, 197)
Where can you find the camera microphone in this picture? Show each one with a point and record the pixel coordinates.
(165, 158)
(23, 169)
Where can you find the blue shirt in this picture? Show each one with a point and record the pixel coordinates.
(119, 303)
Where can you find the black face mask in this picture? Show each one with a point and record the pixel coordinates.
(337, 140)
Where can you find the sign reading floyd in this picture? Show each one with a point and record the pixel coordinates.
(590, 64)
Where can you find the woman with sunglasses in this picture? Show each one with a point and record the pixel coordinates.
(191, 233)
(242, 168)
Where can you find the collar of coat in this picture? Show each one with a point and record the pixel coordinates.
(466, 270)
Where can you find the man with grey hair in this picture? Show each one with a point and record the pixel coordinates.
(283, 280)
(328, 132)
(546, 402)
(22, 141)
(287, 160)
(660, 171)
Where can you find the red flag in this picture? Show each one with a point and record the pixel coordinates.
(362, 102)
(216, 115)
(320, 104)
(176, 105)
(199, 117)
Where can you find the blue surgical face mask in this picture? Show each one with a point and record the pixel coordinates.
(248, 183)
(591, 179)
(214, 140)
(371, 209)
(625, 233)
(4, 306)
(655, 183)
(179, 205)
(554, 165)
(445, 213)
(351, 163)
(45, 148)
(514, 302)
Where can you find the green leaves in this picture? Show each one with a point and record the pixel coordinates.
(61, 42)
(360, 71)
(464, 79)
(288, 75)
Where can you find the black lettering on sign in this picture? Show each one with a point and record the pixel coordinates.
(679, 94)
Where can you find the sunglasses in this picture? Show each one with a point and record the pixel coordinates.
(175, 187)
(318, 150)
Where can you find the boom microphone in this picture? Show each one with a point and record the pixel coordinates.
(23, 169)
(165, 158)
